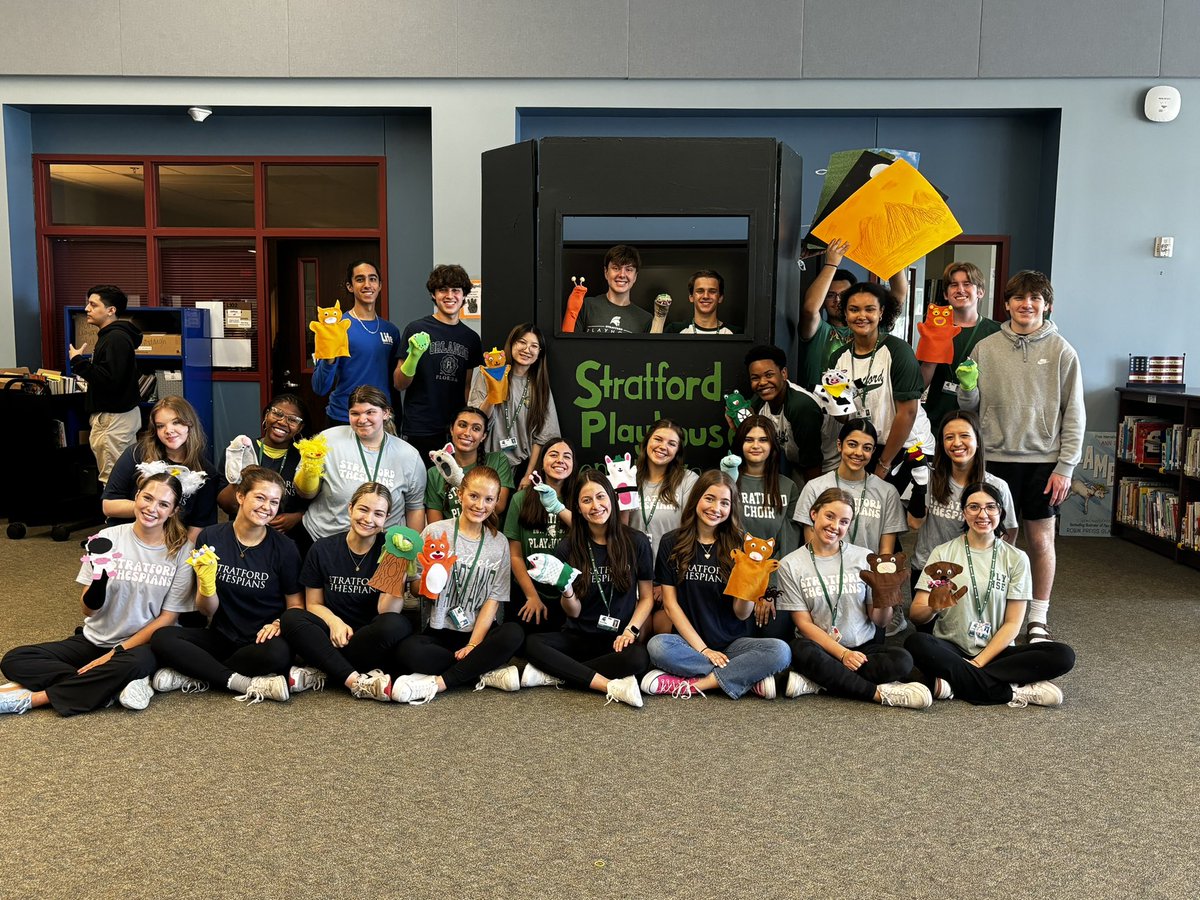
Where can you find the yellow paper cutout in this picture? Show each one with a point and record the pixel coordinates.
(891, 221)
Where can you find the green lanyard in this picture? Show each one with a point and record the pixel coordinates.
(460, 587)
(263, 458)
(833, 610)
(858, 508)
(378, 459)
(980, 605)
(864, 389)
(596, 581)
(510, 422)
(646, 520)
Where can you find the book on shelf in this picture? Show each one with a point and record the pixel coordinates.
(1150, 506)
(1189, 528)
(1139, 439)
(1191, 454)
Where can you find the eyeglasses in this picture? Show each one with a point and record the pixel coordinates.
(277, 413)
(990, 508)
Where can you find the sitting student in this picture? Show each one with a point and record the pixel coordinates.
(340, 633)
(174, 437)
(135, 582)
(706, 291)
(613, 312)
(840, 647)
(246, 576)
(282, 423)
(970, 654)
(435, 358)
(711, 648)
(605, 595)
(537, 521)
(459, 646)
(797, 418)
(467, 435)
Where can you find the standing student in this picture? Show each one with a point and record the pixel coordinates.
(606, 605)
(373, 341)
(797, 419)
(841, 644)
(435, 358)
(537, 522)
(706, 293)
(244, 583)
(1030, 400)
(144, 587)
(461, 644)
(112, 397)
(711, 647)
(614, 312)
(468, 434)
(521, 424)
(970, 654)
(175, 437)
(340, 633)
(367, 450)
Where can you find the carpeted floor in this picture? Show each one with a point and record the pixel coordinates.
(552, 794)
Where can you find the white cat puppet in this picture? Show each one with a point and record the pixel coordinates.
(835, 393)
(622, 475)
(445, 463)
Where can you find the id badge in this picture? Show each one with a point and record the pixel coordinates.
(508, 443)
(835, 633)
(950, 387)
(609, 623)
(980, 633)
(460, 618)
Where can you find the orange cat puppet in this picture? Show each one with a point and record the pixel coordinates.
(574, 304)
(938, 332)
(436, 563)
(331, 332)
(751, 569)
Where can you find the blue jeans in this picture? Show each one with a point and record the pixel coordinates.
(750, 661)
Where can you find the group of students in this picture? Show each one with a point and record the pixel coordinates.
(619, 602)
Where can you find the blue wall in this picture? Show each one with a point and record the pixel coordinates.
(27, 327)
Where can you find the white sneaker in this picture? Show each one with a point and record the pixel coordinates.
(265, 687)
(137, 694)
(504, 679)
(17, 700)
(166, 680)
(624, 690)
(535, 677)
(414, 689)
(1039, 693)
(304, 678)
(765, 688)
(374, 684)
(942, 690)
(908, 694)
(798, 685)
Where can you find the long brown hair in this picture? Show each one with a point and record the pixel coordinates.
(150, 449)
(174, 531)
(479, 473)
(618, 539)
(943, 467)
(729, 534)
(538, 377)
(532, 515)
(770, 474)
(673, 477)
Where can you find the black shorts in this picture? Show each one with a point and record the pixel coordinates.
(1027, 482)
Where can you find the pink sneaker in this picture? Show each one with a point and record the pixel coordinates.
(656, 681)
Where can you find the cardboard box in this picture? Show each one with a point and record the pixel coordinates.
(161, 345)
(85, 333)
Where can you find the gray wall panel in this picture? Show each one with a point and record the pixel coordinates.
(372, 39)
(715, 38)
(866, 39)
(80, 38)
(223, 38)
(1181, 38)
(1032, 38)
(542, 39)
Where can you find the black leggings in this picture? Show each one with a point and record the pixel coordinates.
(210, 656)
(54, 668)
(939, 658)
(432, 653)
(371, 647)
(884, 665)
(576, 657)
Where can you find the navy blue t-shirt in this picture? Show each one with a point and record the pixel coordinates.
(198, 510)
(439, 388)
(620, 604)
(343, 577)
(251, 588)
(700, 596)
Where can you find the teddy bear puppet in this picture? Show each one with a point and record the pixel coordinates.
(886, 579)
(943, 592)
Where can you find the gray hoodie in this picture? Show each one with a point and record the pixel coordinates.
(1029, 398)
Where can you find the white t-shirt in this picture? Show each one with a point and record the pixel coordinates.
(467, 590)
(877, 508)
(662, 518)
(801, 582)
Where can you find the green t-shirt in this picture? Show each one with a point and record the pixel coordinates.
(440, 496)
(941, 398)
(533, 541)
(815, 352)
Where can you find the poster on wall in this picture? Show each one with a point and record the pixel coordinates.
(1087, 511)
(473, 302)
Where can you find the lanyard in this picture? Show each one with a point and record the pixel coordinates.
(858, 508)
(510, 422)
(596, 581)
(863, 388)
(647, 519)
(980, 603)
(378, 459)
(460, 587)
(833, 610)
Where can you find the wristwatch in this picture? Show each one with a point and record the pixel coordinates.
(634, 629)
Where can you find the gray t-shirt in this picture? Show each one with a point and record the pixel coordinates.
(146, 581)
(801, 583)
(601, 316)
(467, 590)
(511, 418)
(877, 508)
(766, 522)
(397, 466)
(944, 521)
(653, 517)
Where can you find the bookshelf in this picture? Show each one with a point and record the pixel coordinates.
(1156, 484)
